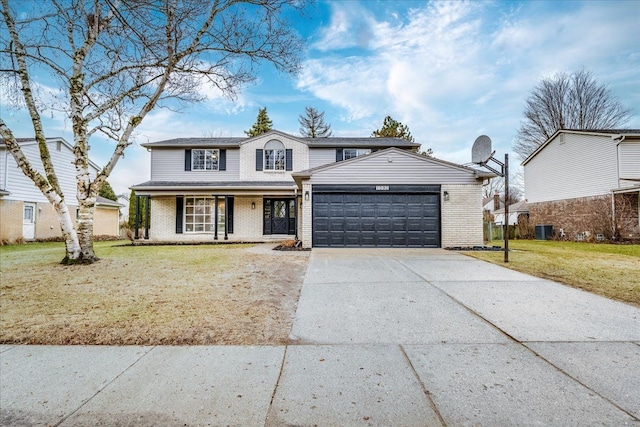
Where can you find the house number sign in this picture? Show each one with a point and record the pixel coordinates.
(382, 188)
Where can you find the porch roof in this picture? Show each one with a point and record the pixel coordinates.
(220, 187)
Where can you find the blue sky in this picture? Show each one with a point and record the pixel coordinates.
(450, 71)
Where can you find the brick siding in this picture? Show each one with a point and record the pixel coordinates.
(461, 215)
(588, 216)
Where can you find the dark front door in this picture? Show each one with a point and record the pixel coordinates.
(279, 216)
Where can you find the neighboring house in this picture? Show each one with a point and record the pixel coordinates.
(586, 183)
(26, 214)
(515, 212)
(327, 192)
(491, 204)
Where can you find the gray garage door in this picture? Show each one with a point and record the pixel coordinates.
(376, 216)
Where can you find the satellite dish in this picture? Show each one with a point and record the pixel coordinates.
(481, 150)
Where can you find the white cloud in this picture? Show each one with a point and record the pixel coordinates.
(454, 70)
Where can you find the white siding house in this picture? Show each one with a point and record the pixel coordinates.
(277, 186)
(26, 213)
(586, 182)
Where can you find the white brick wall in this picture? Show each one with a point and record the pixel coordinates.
(306, 225)
(461, 215)
(247, 222)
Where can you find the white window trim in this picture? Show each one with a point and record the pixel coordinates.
(208, 152)
(211, 216)
(284, 160)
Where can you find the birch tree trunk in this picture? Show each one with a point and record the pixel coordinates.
(116, 62)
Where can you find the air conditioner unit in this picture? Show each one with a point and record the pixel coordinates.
(544, 232)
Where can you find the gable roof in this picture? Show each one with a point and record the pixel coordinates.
(299, 176)
(32, 141)
(612, 133)
(103, 201)
(331, 142)
(521, 206)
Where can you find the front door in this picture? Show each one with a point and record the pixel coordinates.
(29, 221)
(279, 216)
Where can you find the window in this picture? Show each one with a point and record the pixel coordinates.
(350, 153)
(199, 215)
(274, 156)
(205, 160)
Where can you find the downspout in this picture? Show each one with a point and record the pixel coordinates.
(5, 177)
(295, 209)
(618, 138)
(613, 215)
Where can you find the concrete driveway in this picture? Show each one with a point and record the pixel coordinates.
(381, 337)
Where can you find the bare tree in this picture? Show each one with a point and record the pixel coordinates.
(567, 101)
(496, 185)
(115, 61)
(312, 124)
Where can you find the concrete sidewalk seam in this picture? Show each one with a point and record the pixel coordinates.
(562, 371)
(426, 392)
(65, 418)
(275, 387)
(469, 309)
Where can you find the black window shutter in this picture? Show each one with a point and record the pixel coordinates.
(230, 214)
(187, 160)
(222, 161)
(339, 155)
(179, 211)
(288, 159)
(259, 159)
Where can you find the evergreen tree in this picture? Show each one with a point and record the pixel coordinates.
(107, 192)
(393, 129)
(262, 125)
(312, 124)
(132, 210)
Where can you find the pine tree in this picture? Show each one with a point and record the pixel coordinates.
(393, 129)
(312, 124)
(107, 192)
(132, 210)
(262, 125)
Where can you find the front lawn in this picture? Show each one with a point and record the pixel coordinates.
(605, 269)
(206, 294)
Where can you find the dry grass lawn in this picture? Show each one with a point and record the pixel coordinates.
(612, 271)
(207, 294)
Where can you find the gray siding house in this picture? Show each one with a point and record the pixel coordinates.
(326, 192)
(586, 183)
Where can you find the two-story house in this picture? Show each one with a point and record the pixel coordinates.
(586, 182)
(326, 192)
(27, 214)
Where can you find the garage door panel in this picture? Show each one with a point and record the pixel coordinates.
(352, 225)
(399, 224)
(352, 210)
(368, 224)
(379, 219)
(321, 225)
(383, 224)
(383, 239)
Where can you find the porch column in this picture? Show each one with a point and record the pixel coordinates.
(137, 220)
(226, 217)
(147, 216)
(295, 209)
(215, 223)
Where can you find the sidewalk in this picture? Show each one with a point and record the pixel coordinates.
(380, 338)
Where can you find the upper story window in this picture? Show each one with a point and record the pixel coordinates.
(274, 156)
(350, 153)
(205, 160)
